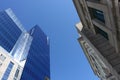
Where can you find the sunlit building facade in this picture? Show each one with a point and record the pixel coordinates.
(10, 68)
(23, 55)
(100, 35)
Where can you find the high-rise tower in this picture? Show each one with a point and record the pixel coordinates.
(23, 55)
(10, 29)
(37, 66)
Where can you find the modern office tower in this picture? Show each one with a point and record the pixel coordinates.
(10, 29)
(23, 55)
(100, 35)
(37, 66)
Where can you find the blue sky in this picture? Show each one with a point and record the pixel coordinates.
(57, 19)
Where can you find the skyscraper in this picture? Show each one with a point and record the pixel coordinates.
(10, 29)
(11, 33)
(100, 35)
(23, 55)
(37, 66)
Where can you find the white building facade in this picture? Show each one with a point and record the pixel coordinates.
(10, 69)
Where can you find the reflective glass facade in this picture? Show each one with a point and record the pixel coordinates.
(30, 48)
(9, 31)
(22, 47)
(37, 66)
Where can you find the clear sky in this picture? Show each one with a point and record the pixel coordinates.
(57, 19)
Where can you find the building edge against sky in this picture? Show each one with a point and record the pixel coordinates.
(39, 52)
(98, 63)
(99, 35)
(19, 55)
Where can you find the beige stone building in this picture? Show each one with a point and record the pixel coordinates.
(100, 35)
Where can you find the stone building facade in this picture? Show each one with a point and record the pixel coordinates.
(100, 35)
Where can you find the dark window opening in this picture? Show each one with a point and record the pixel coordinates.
(119, 72)
(101, 32)
(109, 75)
(92, 58)
(17, 73)
(96, 14)
(92, 0)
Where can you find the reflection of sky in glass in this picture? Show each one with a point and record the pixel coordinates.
(15, 19)
(22, 46)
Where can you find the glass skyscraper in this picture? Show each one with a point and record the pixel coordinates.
(26, 54)
(10, 29)
(37, 65)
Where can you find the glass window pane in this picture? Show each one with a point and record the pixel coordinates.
(7, 72)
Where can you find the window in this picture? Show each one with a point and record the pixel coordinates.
(46, 78)
(0, 64)
(92, 58)
(94, 0)
(2, 57)
(101, 32)
(109, 75)
(96, 14)
(8, 70)
(113, 78)
(16, 74)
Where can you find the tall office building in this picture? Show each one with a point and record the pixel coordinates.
(100, 35)
(10, 29)
(37, 66)
(11, 33)
(23, 55)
